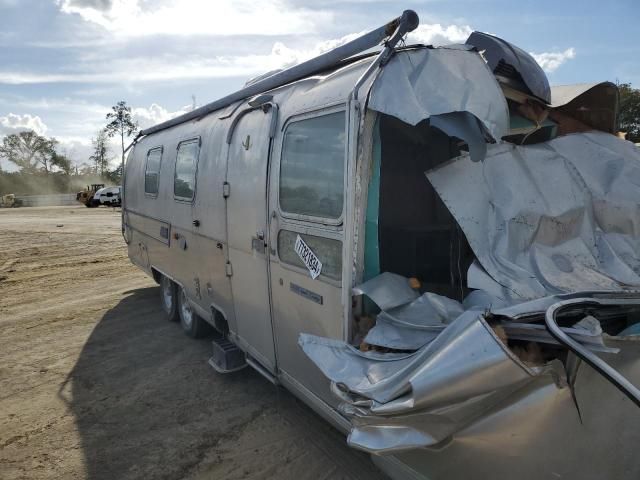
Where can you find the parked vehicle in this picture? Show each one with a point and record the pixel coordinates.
(457, 324)
(10, 201)
(86, 196)
(109, 196)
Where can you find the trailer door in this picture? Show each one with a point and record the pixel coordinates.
(306, 239)
(247, 171)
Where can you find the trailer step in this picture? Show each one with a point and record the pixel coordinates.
(227, 357)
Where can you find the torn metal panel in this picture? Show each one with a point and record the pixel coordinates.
(405, 89)
(389, 334)
(452, 368)
(345, 365)
(545, 219)
(464, 126)
(385, 431)
(427, 310)
(415, 324)
(422, 399)
(387, 290)
(465, 394)
(593, 104)
(564, 94)
(532, 332)
(411, 326)
(481, 300)
(494, 295)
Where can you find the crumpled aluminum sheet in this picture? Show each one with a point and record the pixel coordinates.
(465, 126)
(465, 382)
(400, 403)
(345, 365)
(411, 326)
(452, 368)
(561, 216)
(428, 309)
(406, 86)
(415, 324)
(387, 290)
(390, 334)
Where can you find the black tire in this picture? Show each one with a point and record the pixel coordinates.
(192, 324)
(169, 298)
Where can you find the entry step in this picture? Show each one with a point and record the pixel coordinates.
(227, 357)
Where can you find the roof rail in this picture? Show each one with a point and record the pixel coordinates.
(398, 27)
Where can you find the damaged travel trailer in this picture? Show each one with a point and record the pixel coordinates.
(431, 247)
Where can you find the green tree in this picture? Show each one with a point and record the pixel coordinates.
(100, 156)
(629, 115)
(114, 176)
(62, 162)
(85, 169)
(121, 123)
(29, 151)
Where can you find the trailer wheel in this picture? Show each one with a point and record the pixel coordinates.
(169, 298)
(192, 324)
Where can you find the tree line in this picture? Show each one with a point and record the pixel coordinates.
(43, 167)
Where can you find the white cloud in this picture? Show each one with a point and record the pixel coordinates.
(13, 123)
(437, 34)
(77, 149)
(147, 117)
(550, 61)
(172, 67)
(196, 17)
(282, 56)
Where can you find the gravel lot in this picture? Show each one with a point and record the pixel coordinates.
(96, 384)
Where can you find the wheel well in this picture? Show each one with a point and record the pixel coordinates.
(219, 321)
(157, 276)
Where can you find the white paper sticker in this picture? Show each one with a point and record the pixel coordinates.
(313, 264)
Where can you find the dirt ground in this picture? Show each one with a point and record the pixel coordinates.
(96, 384)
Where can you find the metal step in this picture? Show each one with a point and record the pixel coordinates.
(227, 357)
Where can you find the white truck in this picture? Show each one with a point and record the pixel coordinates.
(108, 196)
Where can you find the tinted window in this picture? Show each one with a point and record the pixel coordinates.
(152, 171)
(312, 167)
(184, 185)
(328, 251)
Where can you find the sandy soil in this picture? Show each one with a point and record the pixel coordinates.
(96, 384)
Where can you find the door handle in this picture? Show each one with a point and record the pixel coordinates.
(257, 243)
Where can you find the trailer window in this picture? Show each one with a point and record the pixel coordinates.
(152, 171)
(184, 185)
(312, 167)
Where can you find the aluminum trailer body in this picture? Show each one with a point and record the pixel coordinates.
(260, 216)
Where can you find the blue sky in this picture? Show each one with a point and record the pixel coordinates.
(63, 63)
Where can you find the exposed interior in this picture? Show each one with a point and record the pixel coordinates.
(417, 235)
